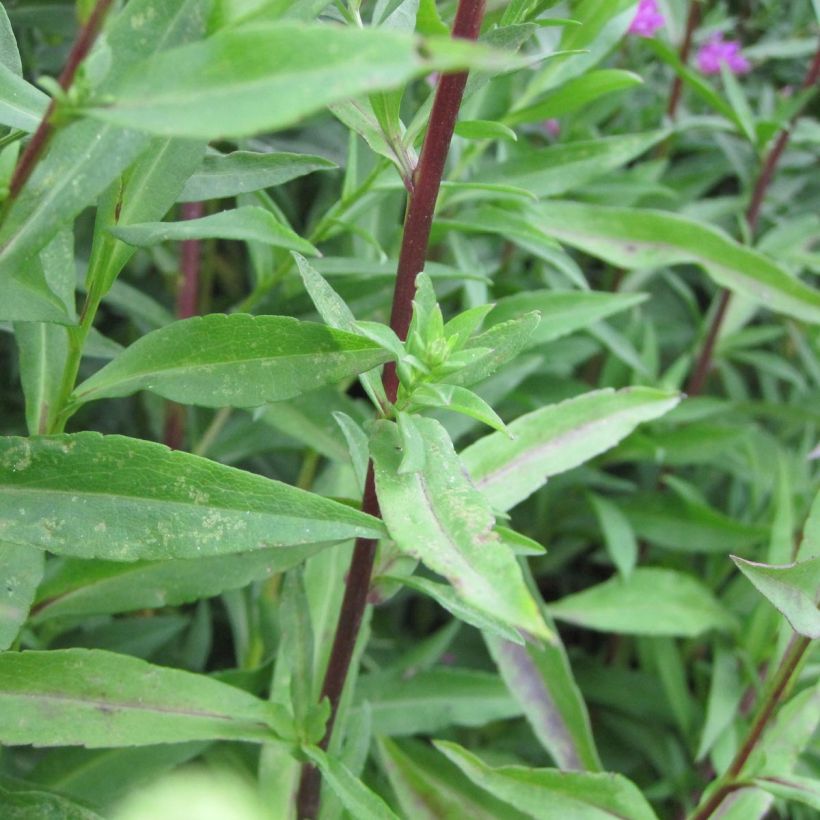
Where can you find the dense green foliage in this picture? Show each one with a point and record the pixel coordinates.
(589, 464)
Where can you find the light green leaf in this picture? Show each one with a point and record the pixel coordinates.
(29, 801)
(412, 444)
(794, 589)
(637, 238)
(360, 801)
(725, 695)
(21, 567)
(575, 94)
(298, 68)
(652, 601)
(434, 699)
(619, 536)
(233, 361)
(805, 790)
(485, 130)
(562, 312)
(22, 105)
(248, 224)
(438, 516)
(557, 438)
(561, 168)
(242, 172)
(124, 499)
(9, 53)
(106, 587)
(79, 697)
(568, 794)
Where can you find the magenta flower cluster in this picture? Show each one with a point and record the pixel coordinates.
(648, 19)
(716, 50)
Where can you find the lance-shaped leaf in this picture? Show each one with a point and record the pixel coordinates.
(124, 499)
(241, 172)
(568, 794)
(652, 601)
(30, 801)
(248, 224)
(438, 516)
(212, 88)
(633, 238)
(557, 438)
(80, 587)
(794, 589)
(22, 104)
(234, 361)
(80, 697)
(22, 570)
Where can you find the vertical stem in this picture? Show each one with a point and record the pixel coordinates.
(34, 150)
(692, 21)
(764, 179)
(187, 306)
(415, 239)
(785, 674)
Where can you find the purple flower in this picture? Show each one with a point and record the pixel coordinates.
(647, 20)
(716, 50)
(551, 127)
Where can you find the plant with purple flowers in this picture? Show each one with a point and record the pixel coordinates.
(716, 50)
(648, 19)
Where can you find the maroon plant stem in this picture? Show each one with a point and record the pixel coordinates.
(785, 674)
(34, 150)
(692, 21)
(187, 306)
(418, 221)
(704, 362)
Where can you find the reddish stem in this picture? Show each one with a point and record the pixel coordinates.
(187, 306)
(704, 362)
(692, 21)
(79, 51)
(415, 240)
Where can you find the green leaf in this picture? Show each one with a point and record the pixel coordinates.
(805, 790)
(28, 801)
(9, 53)
(360, 801)
(233, 361)
(412, 444)
(725, 695)
(438, 516)
(123, 499)
(21, 568)
(485, 130)
(429, 787)
(652, 601)
(638, 238)
(299, 68)
(459, 400)
(568, 794)
(562, 312)
(79, 697)
(248, 224)
(619, 536)
(242, 172)
(561, 168)
(557, 438)
(85, 588)
(434, 699)
(575, 94)
(22, 105)
(794, 589)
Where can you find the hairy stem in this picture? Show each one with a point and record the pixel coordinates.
(187, 306)
(704, 363)
(37, 145)
(415, 240)
(692, 20)
(780, 683)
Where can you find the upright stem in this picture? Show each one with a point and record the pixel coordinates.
(692, 21)
(415, 240)
(704, 362)
(34, 150)
(187, 306)
(785, 674)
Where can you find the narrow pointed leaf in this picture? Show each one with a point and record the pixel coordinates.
(78, 697)
(557, 438)
(234, 361)
(438, 516)
(22, 104)
(34, 802)
(794, 589)
(652, 601)
(636, 238)
(124, 499)
(21, 568)
(568, 794)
